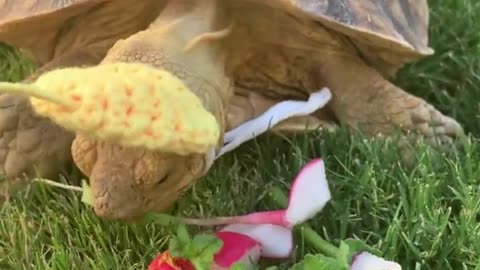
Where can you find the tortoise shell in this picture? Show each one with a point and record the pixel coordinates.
(34, 24)
(387, 33)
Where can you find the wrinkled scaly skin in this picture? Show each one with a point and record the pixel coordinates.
(362, 97)
(266, 66)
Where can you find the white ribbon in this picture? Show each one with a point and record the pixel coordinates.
(274, 115)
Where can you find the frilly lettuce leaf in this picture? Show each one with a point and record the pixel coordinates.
(87, 195)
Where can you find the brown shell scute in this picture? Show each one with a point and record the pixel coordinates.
(11, 10)
(400, 24)
(32, 25)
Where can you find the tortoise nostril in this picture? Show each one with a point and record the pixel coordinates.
(182, 188)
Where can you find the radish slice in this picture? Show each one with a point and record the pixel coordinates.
(236, 248)
(275, 241)
(309, 193)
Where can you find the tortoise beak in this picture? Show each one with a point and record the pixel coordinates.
(115, 196)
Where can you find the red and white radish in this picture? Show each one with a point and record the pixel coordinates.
(236, 248)
(275, 241)
(309, 193)
(165, 261)
(269, 234)
(367, 261)
(308, 196)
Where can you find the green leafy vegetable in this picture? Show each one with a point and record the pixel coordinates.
(87, 195)
(199, 250)
(319, 262)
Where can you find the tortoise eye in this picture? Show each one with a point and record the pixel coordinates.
(162, 180)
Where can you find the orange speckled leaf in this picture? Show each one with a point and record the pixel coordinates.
(127, 103)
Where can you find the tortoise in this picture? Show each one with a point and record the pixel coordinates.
(240, 58)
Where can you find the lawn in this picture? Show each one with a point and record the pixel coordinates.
(426, 217)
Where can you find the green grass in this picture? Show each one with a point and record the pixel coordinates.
(426, 217)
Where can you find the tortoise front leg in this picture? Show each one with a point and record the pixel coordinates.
(362, 98)
(31, 145)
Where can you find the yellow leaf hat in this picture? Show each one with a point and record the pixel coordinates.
(131, 104)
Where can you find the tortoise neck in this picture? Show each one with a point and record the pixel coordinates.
(192, 35)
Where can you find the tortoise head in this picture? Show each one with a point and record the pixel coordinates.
(128, 182)
(142, 135)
